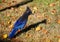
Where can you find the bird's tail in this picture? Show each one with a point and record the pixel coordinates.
(13, 32)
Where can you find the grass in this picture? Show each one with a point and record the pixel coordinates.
(0, 1)
(44, 9)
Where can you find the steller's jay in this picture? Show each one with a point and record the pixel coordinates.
(20, 23)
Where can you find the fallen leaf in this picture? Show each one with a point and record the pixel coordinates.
(57, 36)
(8, 14)
(9, 3)
(59, 40)
(9, 22)
(5, 36)
(2, 23)
(48, 40)
(38, 28)
(52, 4)
(13, 17)
(53, 11)
(35, 8)
(3, 0)
(14, 1)
(44, 31)
(33, 11)
(58, 21)
(12, 8)
(11, 26)
(0, 6)
(48, 20)
(28, 35)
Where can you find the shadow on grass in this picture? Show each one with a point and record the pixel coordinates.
(4, 40)
(24, 30)
(17, 5)
(29, 27)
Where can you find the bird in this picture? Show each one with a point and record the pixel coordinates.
(20, 23)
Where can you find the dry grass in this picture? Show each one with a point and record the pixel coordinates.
(42, 9)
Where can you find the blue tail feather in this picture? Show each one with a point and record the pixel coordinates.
(13, 32)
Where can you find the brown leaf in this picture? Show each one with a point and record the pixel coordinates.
(12, 8)
(8, 14)
(9, 22)
(28, 35)
(14, 1)
(48, 20)
(58, 21)
(13, 17)
(0, 6)
(57, 36)
(2, 23)
(53, 11)
(9, 3)
(44, 31)
(3, 0)
(52, 4)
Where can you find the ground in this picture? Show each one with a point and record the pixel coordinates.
(43, 23)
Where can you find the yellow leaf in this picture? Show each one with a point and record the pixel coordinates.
(33, 11)
(5, 36)
(11, 26)
(9, 22)
(38, 28)
(35, 8)
(59, 40)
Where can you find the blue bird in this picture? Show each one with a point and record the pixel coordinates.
(20, 23)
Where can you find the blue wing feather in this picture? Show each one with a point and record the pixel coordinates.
(15, 29)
